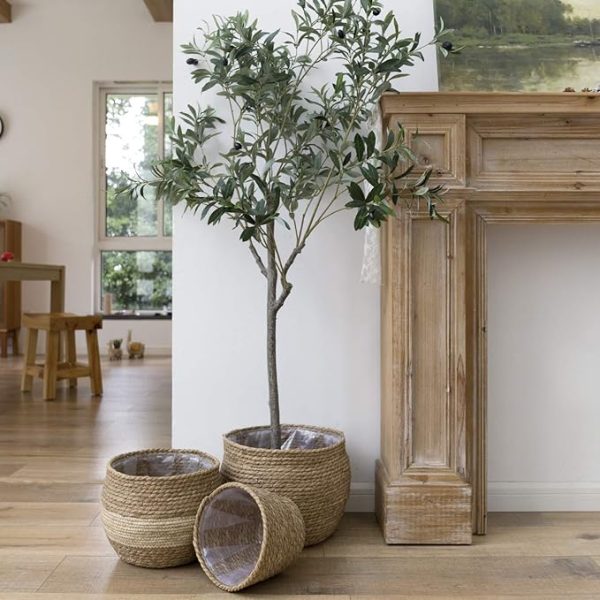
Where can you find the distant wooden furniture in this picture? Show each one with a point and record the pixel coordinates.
(505, 158)
(55, 324)
(55, 274)
(161, 10)
(10, 291)
(5, 11)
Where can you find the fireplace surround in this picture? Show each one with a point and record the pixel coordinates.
(504, 158)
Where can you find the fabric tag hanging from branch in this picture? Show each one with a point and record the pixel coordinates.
(371, 263)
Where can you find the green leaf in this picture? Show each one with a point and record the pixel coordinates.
(361, 219)
(390, 65)
(424, 177)
(209, 85)
(371, 141)
(356, 193)
(248, 234)
(271, 37)
(245, 79)
(354, 204)
(359, 146)
(371, 174)
(261, 184)
(216, 215)
(391, 138)
(405, 173)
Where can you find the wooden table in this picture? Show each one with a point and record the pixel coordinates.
(55, 274)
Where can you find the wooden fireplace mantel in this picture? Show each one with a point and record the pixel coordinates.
(505, 158)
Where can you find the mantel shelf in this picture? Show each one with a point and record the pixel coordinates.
(472, 103)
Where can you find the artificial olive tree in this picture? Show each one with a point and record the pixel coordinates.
(298, 154)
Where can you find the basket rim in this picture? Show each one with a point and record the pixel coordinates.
(114, 473)
(341, 441)
(199, 555)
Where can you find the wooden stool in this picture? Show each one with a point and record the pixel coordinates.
(54, 324)
(5, 334)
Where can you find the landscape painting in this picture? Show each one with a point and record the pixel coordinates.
(521, 45)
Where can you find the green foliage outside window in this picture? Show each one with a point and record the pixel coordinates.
(138, 280)
(131, 148)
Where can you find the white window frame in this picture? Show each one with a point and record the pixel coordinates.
(158, 242)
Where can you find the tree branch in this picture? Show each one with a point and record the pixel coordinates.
(285, 284)
(258, 259)
(291, 258)
(287, 288)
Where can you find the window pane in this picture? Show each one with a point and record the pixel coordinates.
(131, 148)
(168, 116)
(138, 280)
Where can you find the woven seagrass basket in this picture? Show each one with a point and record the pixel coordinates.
(244, 535)
(312, 469)
(149, 504)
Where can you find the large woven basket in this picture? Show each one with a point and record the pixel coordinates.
(149, 504)
(312, 469)
(244, 535)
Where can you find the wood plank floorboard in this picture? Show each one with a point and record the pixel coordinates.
(52, 546)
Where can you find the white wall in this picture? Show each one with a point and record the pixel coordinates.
(329, 329)
(544, 367)
(50, 57)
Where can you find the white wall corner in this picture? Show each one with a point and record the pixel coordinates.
(362, 498)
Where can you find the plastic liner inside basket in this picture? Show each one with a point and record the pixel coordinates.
(231, 535)
(161, 464)
(244, 535)
(292, 438)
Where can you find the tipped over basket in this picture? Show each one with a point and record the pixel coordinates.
(244, 535)
(149, 504)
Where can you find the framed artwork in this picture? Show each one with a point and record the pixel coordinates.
(521, 45)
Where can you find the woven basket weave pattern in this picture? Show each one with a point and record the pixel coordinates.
(317, 480)
(149, 519)
(281, 543)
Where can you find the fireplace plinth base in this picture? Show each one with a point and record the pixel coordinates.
(423, 513)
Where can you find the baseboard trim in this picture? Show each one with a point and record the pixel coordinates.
(509, 496)
(362, 498)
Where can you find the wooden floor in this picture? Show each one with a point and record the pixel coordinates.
(52, 457)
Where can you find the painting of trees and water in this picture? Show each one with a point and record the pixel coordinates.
(521, 45)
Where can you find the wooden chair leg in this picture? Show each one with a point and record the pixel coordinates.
(3, 344)
(91, 338)
(30, 353)
(15, 339)
(71, 353)
(51, 366)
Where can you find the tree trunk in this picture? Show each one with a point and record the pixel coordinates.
(272, 338)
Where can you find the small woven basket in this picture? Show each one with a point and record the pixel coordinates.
(312, 469)
(149, 503)
(244, 535)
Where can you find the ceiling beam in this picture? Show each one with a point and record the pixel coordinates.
(161, 10)
(5, 12)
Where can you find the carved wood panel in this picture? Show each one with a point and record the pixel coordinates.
(534, 151)
(438, 142)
